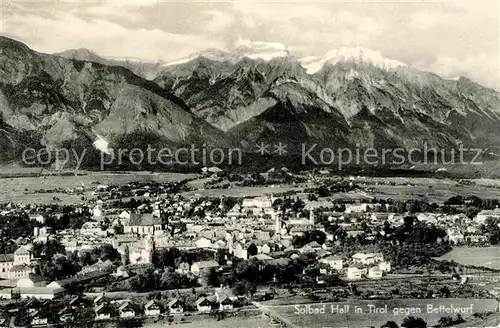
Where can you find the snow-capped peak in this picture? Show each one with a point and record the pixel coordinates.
(212, 54)
(242, 49)
(259, 49)
(354, 55)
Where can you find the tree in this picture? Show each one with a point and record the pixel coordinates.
(108, 252)
(129, 323)
(252, 250)
(250, 288)
(390, 324)
(239, 289)
(312, 197)
(22, 317)
(414, 322)
(220, 256)
(118, 229)
(144, 281)
(53, 263)
(446, 321)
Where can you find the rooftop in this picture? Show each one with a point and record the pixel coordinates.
(145, 219)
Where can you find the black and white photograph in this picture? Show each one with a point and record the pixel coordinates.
(249, 163)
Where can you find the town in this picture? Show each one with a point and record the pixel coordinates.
(146, 252)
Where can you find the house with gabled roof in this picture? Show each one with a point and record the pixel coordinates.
(203, 305)
(225, 303)
(103, 311)
(198, 267)
(126, 310)
(30, 281)
(39, 318)
(262, 257)
(175, 306)
(66, 315)
(152, 308)
(354, 273)
(335, 262)
(310, 247)
(100, 299)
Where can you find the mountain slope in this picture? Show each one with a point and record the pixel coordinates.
(348, 98)
(226, 93)
(146, 69)
(415, 106)
(376, 101)
(56, 102)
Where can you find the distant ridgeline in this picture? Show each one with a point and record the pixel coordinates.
(350, 99)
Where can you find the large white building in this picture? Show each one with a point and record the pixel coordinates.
(482, 216)
(367, 258)
(335, 262)
(17, 265)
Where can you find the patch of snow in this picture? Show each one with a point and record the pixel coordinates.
(103, 145)
(353, 55)
(243, 49)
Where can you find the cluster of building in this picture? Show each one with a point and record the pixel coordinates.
(252, 228)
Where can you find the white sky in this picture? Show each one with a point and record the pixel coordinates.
(450, 38)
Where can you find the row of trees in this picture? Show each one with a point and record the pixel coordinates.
(148, 280)
(417, 322)
(55, 263)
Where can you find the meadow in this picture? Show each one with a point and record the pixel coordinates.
(255, 321)
(23, 189)
(366, 319)
(477, 256)
(243, 191)
(430, 189)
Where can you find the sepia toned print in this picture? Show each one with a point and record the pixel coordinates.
(312, 164)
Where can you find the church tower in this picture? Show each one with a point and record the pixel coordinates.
(277, 222)
(149, 249)
(312, 217)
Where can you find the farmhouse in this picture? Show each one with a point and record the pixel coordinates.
(152, 308)
(103, 312)
(354, 273)
(374, 273)
(482, 216)
(203, 305)
(225, 303)
(175, 306)
(199, 267)
(126, 310)
(335, 262)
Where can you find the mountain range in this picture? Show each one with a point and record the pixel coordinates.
(349, 97)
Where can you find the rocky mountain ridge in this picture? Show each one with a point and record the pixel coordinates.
(349, 97)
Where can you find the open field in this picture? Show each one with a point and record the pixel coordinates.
(437, 194)
(430, 189)
(396, 311)
(22, 189)
(478, 256)
(256, 321)
(245, 191)
(429, 181)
